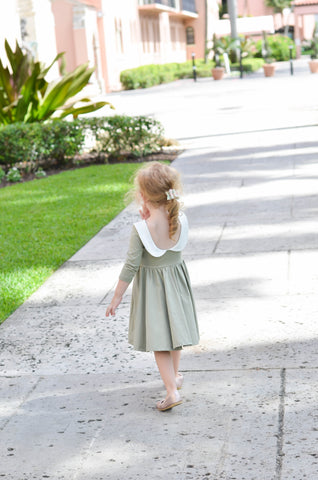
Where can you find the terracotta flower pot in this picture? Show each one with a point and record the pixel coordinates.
(269, 69)
(313, 65)
(218, 73)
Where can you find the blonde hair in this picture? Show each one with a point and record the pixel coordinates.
(154, 181)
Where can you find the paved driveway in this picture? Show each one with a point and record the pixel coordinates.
(78, 403)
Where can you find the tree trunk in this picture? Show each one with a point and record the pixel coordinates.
(232, 8)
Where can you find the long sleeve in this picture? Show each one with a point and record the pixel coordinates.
(133, 260)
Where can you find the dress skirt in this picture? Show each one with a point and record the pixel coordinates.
(162, 312)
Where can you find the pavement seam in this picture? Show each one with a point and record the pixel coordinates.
(219, 239)
(288, 271)
(281, 420)
(23, 400)
(249, 369)
(225, 134)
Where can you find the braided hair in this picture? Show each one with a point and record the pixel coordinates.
(161, 185)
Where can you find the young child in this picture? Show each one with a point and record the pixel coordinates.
(162, 312)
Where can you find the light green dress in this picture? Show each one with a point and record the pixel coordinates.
(162, 312)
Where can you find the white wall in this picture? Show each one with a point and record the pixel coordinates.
(9, 25)
(246, 25)
(45, 35)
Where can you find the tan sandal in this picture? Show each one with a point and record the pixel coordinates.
(169, 403)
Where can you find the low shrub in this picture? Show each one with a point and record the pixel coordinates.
(150, 75)
(31, 143)
(34, 145)
(249, 65)
(121, 135)
(13, 175)
(40, 173)
(279, 47)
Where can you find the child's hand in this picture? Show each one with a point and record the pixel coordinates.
(111, 309)
(144, 212)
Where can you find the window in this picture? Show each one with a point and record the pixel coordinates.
(190, 36)
(189, 5)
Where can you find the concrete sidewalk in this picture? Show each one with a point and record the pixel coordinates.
(78, 403)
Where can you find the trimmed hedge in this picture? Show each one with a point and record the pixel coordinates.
(150, 75)
(32, 142)
(249, 65)
(28, 145)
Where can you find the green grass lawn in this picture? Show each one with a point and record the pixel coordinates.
(44, 222)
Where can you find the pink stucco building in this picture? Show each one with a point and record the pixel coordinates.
(301, 16)
(122, 34)
(114, 35)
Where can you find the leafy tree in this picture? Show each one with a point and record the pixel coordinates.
(278, 5)
(25, 95)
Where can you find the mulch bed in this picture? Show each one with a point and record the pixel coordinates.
(88, 159)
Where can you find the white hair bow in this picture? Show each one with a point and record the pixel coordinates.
(172, 194)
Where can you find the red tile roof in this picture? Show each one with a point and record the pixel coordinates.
(305, 2)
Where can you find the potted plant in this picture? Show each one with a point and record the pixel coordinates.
(313, 63)
(218, 50)
(269, 65)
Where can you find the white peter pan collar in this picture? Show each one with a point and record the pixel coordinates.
(149, 244)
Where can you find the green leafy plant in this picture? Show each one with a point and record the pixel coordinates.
(25, 95)
(40, 173)
(248, 64)
(32, 143)
(222, 45)
(121, 135)
(2, 174)
(266, 50)
(13, 175)
(314, 43)
(247, 46)
(277, 48)
(278, 5)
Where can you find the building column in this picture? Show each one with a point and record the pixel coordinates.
(297, 35)
(37, 19)
(165, 40)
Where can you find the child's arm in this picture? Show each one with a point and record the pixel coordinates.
(128, 271)
(117, 298)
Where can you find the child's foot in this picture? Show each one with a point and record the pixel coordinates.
(169, 402)
(179, 381)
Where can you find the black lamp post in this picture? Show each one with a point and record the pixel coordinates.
(194, 68)
(291, 59)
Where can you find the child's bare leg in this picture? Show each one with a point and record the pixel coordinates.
(166, 370)
(176, 354)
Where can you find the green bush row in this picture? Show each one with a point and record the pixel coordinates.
(32, 142)
(29, 145)
(249, 65)
(149, 75)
